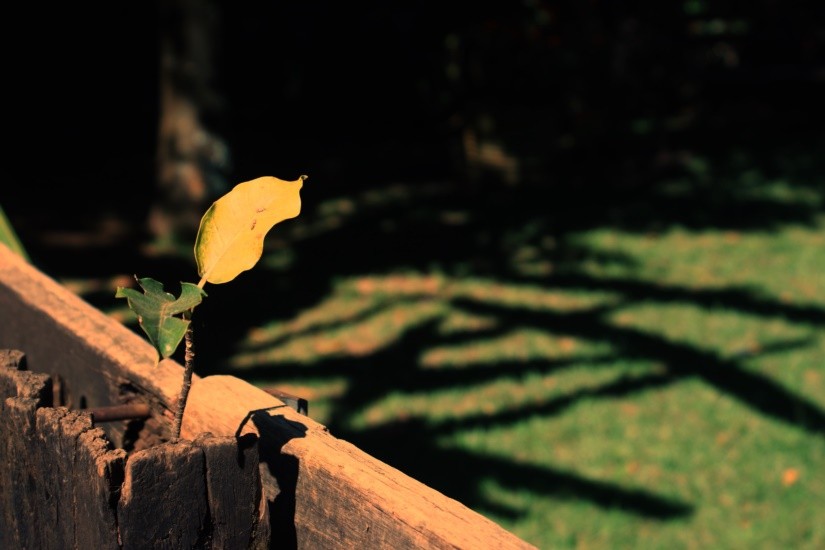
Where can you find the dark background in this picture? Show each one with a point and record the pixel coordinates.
(599, 105)
(583, 94)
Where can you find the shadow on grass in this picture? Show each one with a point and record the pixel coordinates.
(729, 376)
(410, 446)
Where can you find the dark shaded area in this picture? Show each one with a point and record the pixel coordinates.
(582, 98)
(511, 125)
(284, 468)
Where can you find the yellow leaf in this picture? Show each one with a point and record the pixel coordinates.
(231, 234)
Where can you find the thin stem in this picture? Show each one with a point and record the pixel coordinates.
(189, 367)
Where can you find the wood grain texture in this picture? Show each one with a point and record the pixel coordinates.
(163, 499)
(60, 474)
(322, 492)
(18, 404)
(65, 487)
(77, 476)
(237, 512)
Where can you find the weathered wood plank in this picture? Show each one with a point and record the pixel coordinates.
(77, 477)
(60, 489)
(163, 500)
(237, 512)
(60, 475)
(21, 393)
(16, 497)
(17, 381)
(322, 491)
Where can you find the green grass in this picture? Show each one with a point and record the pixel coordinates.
(605, 386)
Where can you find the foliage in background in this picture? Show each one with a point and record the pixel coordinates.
(8, 236)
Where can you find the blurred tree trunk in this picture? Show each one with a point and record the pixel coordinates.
(192, 159)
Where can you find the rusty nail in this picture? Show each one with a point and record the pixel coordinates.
(134, 411)
(293, 401)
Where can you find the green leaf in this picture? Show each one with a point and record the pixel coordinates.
(155, 311)
(9, 238)
(231, 235)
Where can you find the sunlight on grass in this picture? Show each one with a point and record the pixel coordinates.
(517, 345)
(359, 338)
(729, 333)
(366, 314)
(484, 403)
(776, 265)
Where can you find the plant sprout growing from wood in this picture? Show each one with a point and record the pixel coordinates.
(229, 241)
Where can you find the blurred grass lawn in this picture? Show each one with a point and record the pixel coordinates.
(665, 392)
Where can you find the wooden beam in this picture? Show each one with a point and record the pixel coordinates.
(322, 492)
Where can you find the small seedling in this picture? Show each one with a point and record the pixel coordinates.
(230, 240)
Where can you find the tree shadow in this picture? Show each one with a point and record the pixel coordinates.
(757, 391)
(411, 446)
